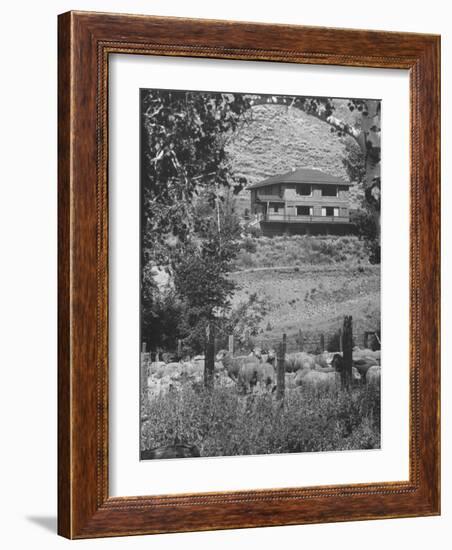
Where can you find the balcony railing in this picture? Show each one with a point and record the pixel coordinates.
(304, 219)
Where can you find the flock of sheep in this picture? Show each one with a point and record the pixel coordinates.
(324, 370)
(256, 372)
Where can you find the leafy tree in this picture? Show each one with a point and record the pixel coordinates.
(364, 223)
(188, 225)
(183, 154)
(245, 319)
(200, 270)
(200, 289)
(162, 316)
(354, 162)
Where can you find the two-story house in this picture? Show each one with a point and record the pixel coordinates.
(302, 201)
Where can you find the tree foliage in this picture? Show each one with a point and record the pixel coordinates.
(183, 156)
(354, 162)
(188, 223)
(367, 230)
(200, 270)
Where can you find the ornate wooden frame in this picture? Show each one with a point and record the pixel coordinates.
(85, 42)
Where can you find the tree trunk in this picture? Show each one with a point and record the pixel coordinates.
(280, 370)
(347, 346)
(209, 357)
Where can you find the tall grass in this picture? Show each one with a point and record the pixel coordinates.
(299, 250)
(224, 423)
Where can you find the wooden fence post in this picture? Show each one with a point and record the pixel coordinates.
(179, 349)
(366, 340)
(143, 365)
(248, 340)
(378, 337)
(231, 344)
(280, 369)
(300, 340)
(209, 357)
(322, 342)
(347, 347)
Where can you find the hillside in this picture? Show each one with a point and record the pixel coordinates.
(300, 250)
(312, 299)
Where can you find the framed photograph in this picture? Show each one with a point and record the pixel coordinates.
(248, 275)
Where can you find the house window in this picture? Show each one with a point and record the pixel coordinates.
(329, 191)
(275, 207)
(304, 189)
(304, 210)
(268, 190)
(330, 211)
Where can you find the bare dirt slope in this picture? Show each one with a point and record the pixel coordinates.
(313, 299)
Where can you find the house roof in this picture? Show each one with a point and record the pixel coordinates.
(301, 175)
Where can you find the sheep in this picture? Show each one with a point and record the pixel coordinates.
(358, 375)
(268, 357)
(234, 364)
(299, 376)
(248, 371)
(373, 376)
(315, 379)
(322, 360)
(299, 360)
(289, 380)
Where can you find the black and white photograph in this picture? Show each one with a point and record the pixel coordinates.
(260, 274)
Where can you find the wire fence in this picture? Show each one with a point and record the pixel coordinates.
(310, 342)
(314, 342)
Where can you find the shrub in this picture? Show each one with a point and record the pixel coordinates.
(223, 423)
(249, 245)
(334, 342)
(254, 231)
(245, 259)
(374, 252)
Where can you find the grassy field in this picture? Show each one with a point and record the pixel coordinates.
(224, 423)
(300, 250)
(309, 283)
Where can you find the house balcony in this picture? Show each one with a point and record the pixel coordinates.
(303, 199)
(284, 218)
(270, 198)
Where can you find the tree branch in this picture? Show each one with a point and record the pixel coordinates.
(342, 126)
